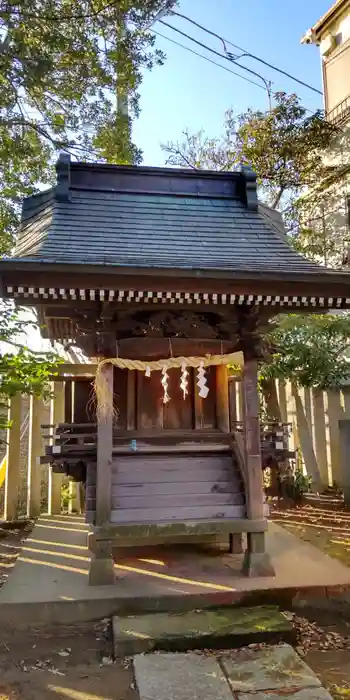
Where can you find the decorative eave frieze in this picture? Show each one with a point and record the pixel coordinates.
(125, 296)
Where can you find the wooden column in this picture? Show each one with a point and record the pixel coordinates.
(101, 565)
(74, 505)
(222, 399)
(335, 413)
(256, 560)
(344, 432)
(35, 450)
(304, 427)
(319, 434)
(131, 400)
(55, 480)
(13, 457)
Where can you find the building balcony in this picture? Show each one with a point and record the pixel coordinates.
(340, 113)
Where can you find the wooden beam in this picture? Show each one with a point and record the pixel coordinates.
(255, 502)
(55, 480)
(222, 399)
(35, 449)
(77, 369)
(256, 560)
(13, 457)
(104, 453)
(131, 401)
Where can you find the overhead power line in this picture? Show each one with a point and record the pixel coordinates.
(215, 63)
(246, 53)
(210, 60)
(221, 55)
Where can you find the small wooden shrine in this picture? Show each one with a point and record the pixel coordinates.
(163, 277)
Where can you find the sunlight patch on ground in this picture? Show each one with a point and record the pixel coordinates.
(327, 529)
(75, 694)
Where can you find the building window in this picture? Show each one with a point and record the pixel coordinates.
(338, 39)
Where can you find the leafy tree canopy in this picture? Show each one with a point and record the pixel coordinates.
(312, 351)
(62, 65)
(284, 147)
(22, 370)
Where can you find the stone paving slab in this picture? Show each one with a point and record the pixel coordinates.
(219, 628)
(180, 677)
(274, 673)
(273, 668)
(305, 694)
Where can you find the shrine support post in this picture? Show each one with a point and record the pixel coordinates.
(256, 561)
(35, 450)
(101, 564)
(56, 417)
(13, 457)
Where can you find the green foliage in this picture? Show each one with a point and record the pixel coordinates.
(283, 146)
(294, 484)
(63, 67)
(22, 370)
(286, 148)
(312, 351)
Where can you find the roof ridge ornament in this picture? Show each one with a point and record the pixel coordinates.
(63, 177)
(251, 195)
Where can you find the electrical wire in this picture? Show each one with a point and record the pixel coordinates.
(219, 65)
(246, 53)
(217, 53)
(210, 60)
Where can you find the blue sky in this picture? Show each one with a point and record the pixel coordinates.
(190, 92)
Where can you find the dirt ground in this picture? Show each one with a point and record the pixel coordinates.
(57, 663)
(61, 663)
(76, 663)
(325, 523)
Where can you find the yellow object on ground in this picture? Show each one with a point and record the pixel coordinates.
(3, 470)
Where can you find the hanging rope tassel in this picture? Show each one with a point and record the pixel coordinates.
(202, 382)
(164, 382)
(184, 382)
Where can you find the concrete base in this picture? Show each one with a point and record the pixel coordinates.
(102, 572)
(236, 544)
(257, 564)
(50, 581)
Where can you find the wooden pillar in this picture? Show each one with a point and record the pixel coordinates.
(101, 565)
(222, 399)
(282, 400)
(256, 560)
(319, 435)
(344, 432)
(131, 400)
(13, 457)
(35, 450)
(334, 412)
(346, 401)
(74, 505)
(240, 408)
(232, 392)
(303, 421)
(55, 480)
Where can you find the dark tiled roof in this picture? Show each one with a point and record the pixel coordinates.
(154, 231)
